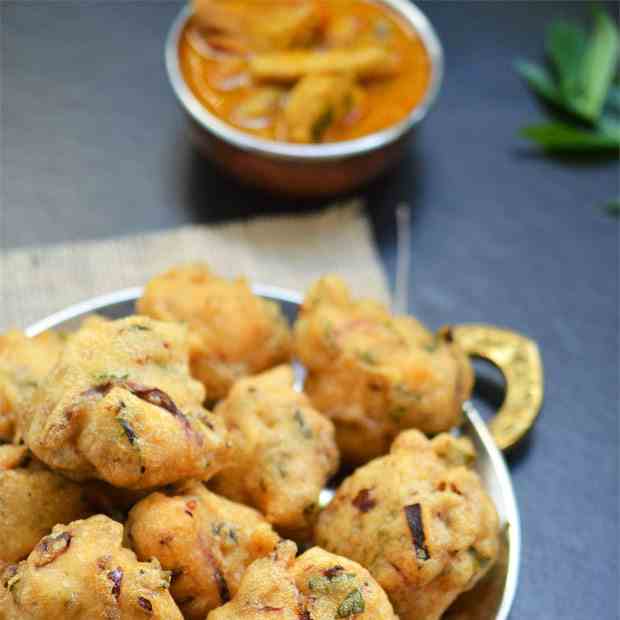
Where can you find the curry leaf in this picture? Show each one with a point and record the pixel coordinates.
(598, 66)
(562, 137)
(613, 207)
(613, 98)
(566, 43)
(610, 125)
(582, 84)
(539, 80)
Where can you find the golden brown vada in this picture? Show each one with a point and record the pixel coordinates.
(233, 333)
(316, 586)
(375, 374)
(81, 571)
(24, 363)
(32, 500)
(419, 520)
(206, 541)
(284, 451)
(120, 406)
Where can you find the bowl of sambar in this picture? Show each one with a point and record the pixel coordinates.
(304, 97)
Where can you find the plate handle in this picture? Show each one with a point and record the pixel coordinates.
(518, 359)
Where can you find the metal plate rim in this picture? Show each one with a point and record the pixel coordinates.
(497, 460)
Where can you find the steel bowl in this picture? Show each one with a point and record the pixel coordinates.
(304, 170)
(493, 597)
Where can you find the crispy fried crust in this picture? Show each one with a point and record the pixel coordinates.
(233, 333)
(284, 451)
(24, 363)
(375, 374)
(419, 520)
(206, 541)
(32, 500)
(81, 571)
(120, 406)
(317, 586)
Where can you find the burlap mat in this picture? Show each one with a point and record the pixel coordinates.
(290, 252)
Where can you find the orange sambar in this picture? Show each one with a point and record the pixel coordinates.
(220, 79)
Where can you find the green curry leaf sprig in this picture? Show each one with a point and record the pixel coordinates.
(580, 84)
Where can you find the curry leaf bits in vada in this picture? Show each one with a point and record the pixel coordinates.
(419, 520)
(120, 406)
(206, 541)
(284, 451)
(375, 374)
(81, 571)
(316, 585)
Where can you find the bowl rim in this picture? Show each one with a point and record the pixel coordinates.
(314, 152)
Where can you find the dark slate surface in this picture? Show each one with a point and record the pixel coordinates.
(94, 146)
